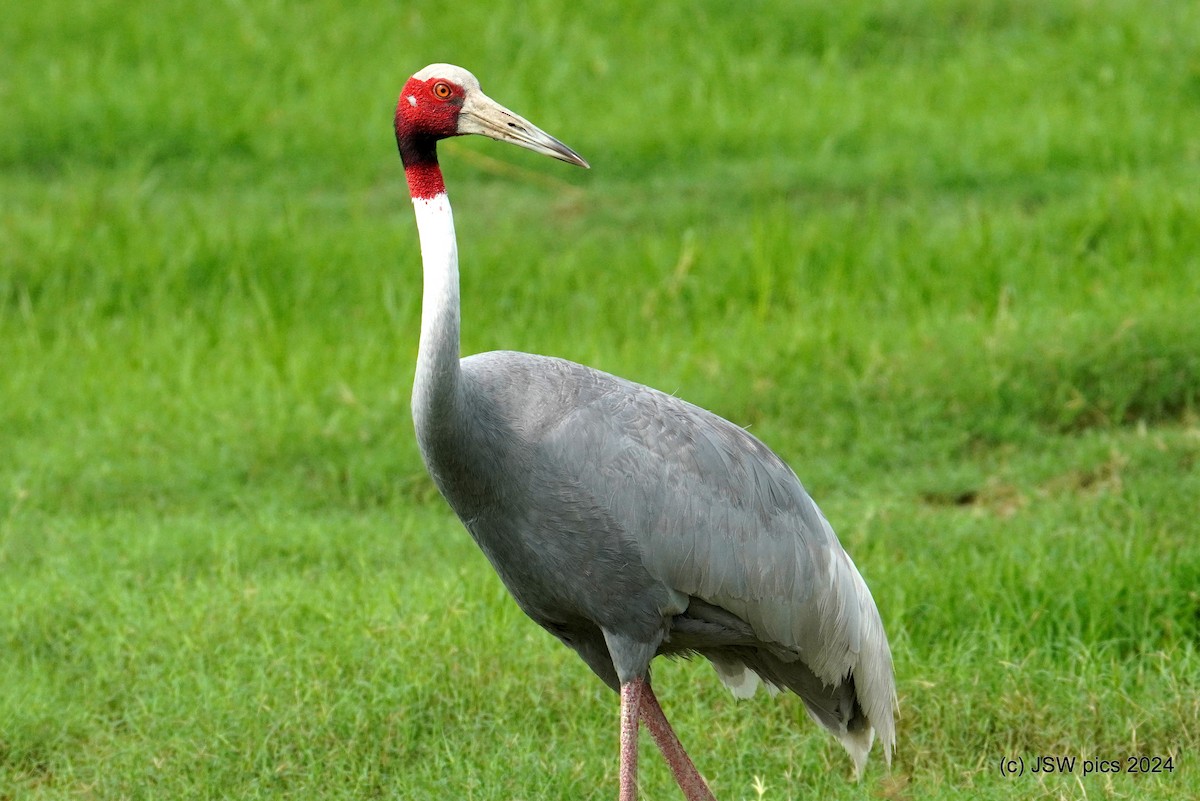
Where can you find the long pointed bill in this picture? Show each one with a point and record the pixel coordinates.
(484, 116)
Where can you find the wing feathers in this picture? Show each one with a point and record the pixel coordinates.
(717, 516)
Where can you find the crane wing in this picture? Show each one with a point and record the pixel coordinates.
(710, 512)
(720, 517)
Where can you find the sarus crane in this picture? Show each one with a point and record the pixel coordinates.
(627, 522)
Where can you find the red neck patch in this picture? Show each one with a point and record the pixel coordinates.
(425, 179)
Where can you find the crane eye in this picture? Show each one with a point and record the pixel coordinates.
(442, 90)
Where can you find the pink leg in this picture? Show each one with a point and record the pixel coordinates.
(690, 781)
(631, 701)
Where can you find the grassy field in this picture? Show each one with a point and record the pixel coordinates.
(944, 256)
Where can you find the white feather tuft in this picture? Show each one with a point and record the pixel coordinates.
(740, 680)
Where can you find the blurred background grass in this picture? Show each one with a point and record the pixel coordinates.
(943, 256)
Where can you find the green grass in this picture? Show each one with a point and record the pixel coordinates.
(944, 256)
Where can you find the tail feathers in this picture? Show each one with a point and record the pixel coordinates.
(835, 708)
(856, 737)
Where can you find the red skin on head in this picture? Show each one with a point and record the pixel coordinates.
(426, 112)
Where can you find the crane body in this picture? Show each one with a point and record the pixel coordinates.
(623, 520)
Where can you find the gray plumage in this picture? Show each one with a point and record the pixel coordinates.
(630, 523)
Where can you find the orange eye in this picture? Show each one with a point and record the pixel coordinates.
(442, 90)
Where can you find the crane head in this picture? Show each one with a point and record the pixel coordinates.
(443, 100)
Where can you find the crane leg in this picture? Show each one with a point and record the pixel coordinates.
(638, 703)
(631, 701)
(689, 779)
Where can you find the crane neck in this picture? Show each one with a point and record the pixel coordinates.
(436, 385)
(421, 168)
